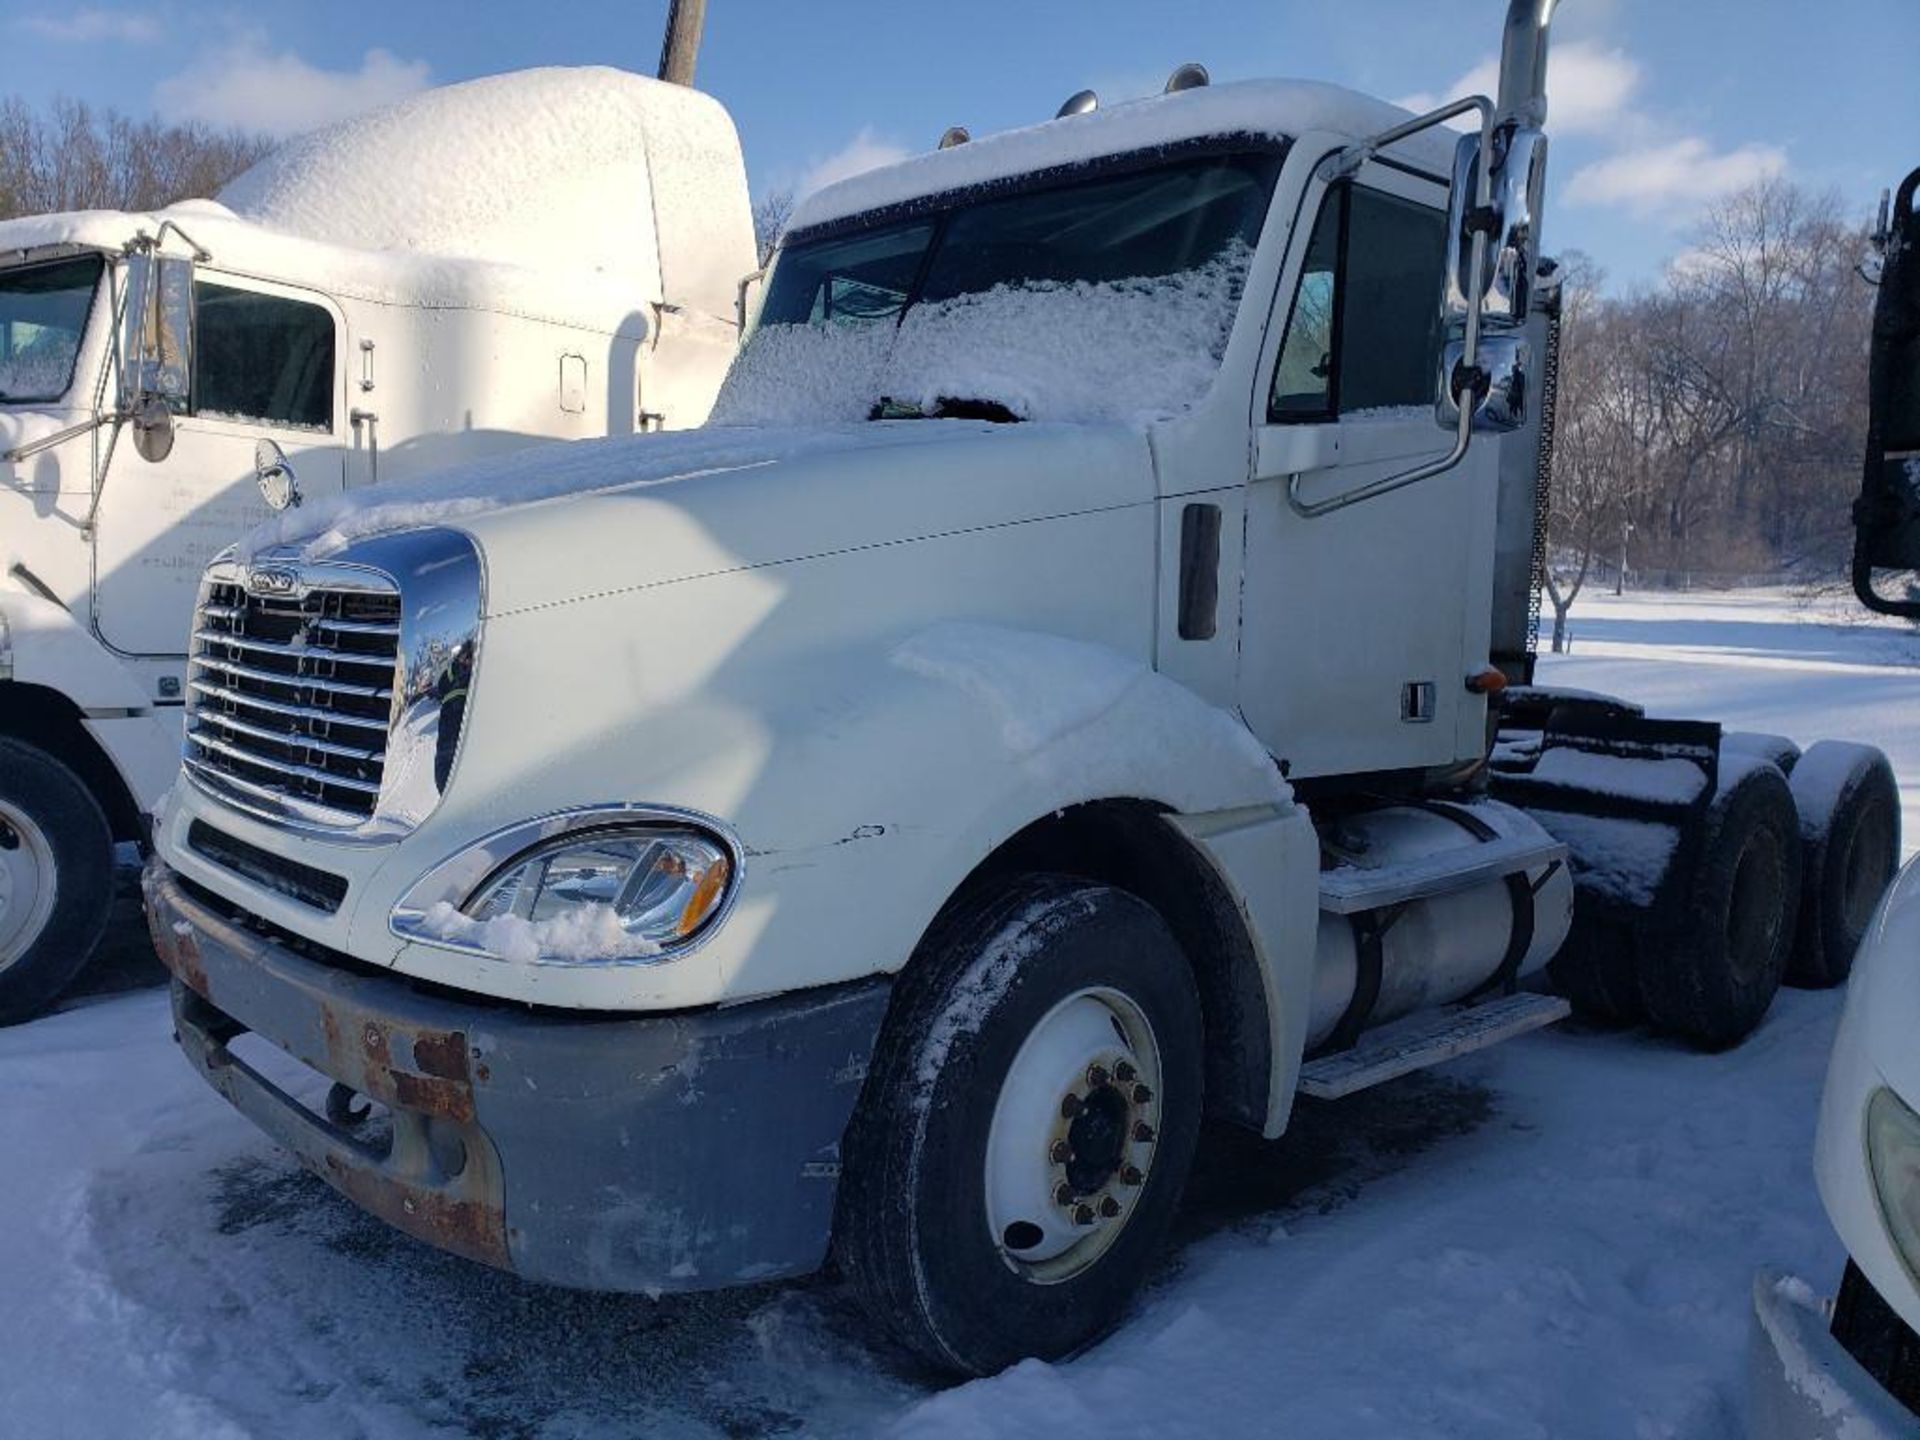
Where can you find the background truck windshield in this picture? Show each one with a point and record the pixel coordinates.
(43, 316)
(1104, 297)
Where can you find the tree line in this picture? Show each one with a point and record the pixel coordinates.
(1713, 423)
(72, 156)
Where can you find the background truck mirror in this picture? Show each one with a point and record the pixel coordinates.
(157, 334)
(1886, 517)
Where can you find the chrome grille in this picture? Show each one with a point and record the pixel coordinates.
(291, 696)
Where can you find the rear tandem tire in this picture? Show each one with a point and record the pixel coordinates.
(1711, 976)
(56, 878)
(1849, 811)
(969, 1037)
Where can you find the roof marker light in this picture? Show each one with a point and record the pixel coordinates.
(1190, 76)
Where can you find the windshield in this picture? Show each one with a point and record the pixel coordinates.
(1107, 296)
(43, 317)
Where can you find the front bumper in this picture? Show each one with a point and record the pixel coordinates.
(1802, 1383)
(687, 1151)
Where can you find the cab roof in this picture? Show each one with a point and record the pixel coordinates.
(1277, 109)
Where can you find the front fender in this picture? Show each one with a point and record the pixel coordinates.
(43, 643)
(865, 783)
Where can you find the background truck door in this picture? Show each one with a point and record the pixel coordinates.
(1354, 622)
(266, 365)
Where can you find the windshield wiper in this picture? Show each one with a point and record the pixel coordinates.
(947, 407)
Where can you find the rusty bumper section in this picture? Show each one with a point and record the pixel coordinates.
(679, 1152)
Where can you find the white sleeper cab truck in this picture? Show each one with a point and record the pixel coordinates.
(551, 254)
(1047, 705)
(1850, 1369)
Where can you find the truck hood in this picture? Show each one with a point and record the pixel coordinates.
(569, 521)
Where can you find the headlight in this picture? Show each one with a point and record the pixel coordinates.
(1893, 1154)
(660, 888)
(567, 890)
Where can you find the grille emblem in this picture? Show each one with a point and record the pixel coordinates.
(271, 582)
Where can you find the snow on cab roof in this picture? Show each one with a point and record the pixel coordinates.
(539, 192)
(1279, 108)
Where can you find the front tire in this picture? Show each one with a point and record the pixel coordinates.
(1027, 1127)
(56, 878)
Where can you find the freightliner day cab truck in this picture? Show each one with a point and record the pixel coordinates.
(1048, 704)
(551, 254)
(1850, 1369)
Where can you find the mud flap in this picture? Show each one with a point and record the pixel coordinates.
(1628, 796)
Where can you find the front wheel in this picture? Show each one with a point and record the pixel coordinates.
(1027, 1127)
(56, 878)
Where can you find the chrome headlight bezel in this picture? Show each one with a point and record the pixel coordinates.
(460, 878)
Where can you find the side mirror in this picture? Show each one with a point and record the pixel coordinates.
(744, 310)
(1497, 295)
(156, 355)
(1502, 391)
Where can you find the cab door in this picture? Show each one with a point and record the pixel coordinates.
(266, 365)
(1354, 621)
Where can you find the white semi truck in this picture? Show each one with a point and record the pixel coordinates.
(552, 254)
(1052, 702)
(1849, 1368)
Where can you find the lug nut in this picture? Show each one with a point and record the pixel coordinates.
(1141, 1094)
(1061, 1152)
(1063, 1194)
(1130, 1175)
(1109, 1207)
(1070, 1107)
(1096, 1076)
(1124, 1073)
(1083, 1214)
(1143, 1132)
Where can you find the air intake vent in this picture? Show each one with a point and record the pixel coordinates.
(291, 696)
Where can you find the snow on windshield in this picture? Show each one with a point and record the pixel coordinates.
(1125, 350)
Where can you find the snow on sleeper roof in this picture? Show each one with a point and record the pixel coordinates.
(1281, 108)
(556, 168)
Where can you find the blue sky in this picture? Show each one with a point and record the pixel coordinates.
(1659, 104)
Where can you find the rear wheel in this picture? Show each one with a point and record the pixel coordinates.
(1712, 975)
(1849, 810)
(56, 878)
(1027, 1128)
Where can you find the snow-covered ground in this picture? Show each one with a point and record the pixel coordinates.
(1554, 1238)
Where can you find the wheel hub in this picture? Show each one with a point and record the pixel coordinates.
(27, 882)
(1073, 1135)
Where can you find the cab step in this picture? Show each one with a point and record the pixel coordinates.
(1422, 1040)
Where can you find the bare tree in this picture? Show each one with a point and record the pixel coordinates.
(771, 212)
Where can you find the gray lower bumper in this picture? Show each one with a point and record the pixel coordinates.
(1802, 1385)
(680, 1152)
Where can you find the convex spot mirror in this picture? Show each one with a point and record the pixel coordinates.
(273, 472)
(1501, 400)
(156, 356)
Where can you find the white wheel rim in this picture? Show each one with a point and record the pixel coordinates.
(28, 879)
(1073, 1135)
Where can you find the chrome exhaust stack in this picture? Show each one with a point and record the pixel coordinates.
(1523, 64)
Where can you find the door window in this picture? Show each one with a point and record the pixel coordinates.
(263, 358)
(1363, 331)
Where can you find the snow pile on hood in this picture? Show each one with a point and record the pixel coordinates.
(1268, 108)
(1128, 351)
(549, 169)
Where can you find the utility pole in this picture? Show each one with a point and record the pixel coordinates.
(682, 44)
